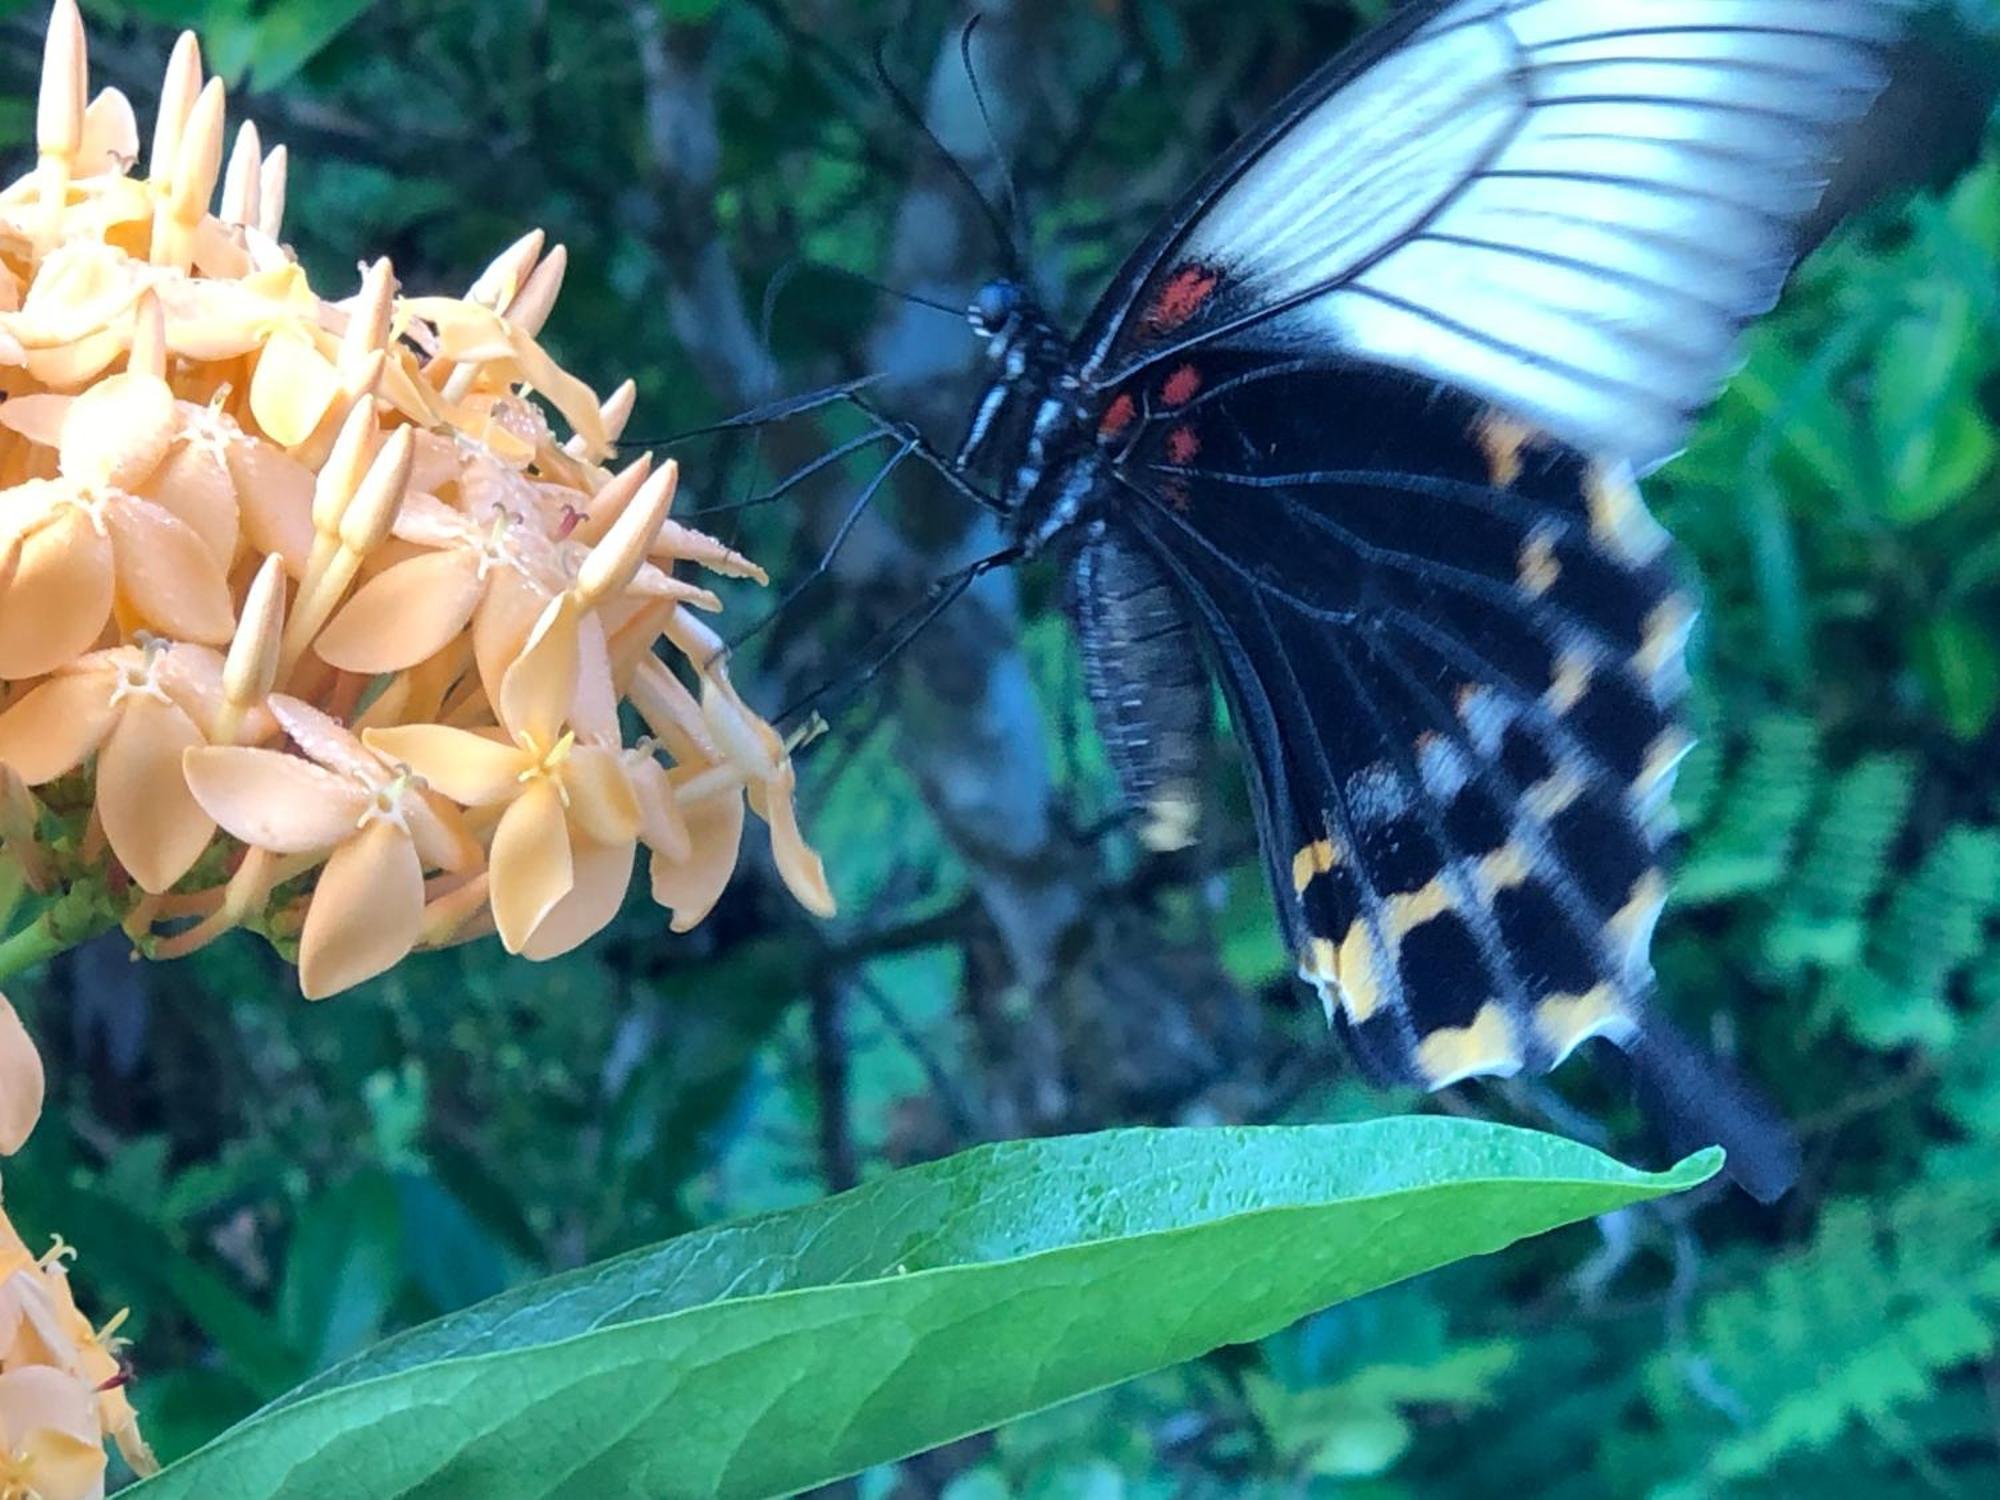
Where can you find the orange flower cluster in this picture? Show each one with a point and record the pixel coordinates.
(62, 1385)
(321, 578)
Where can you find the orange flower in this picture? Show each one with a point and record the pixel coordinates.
(76, 1370)
(137, 709)
(375, 826)
(21, 1082)
(730, 755)
(563, 846)
(434, 603)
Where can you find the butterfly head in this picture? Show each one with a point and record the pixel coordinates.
(997, 309)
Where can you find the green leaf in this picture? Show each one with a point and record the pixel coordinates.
(768, 1356)
(1960, 666)
(343, 1269)
(290, 36)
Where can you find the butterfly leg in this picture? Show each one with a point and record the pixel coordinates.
(892, 641)
(820, 569)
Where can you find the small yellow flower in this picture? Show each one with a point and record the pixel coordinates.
(569, 824)
(43, 1330)
(735, 756)
(51, 1446)
(435, 603)
(21, 1081)
(373, 823)
(138, 709)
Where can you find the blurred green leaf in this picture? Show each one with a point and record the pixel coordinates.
(1959, 660)
(343, 1268)
(810, 1344)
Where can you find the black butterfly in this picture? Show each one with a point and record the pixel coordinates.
(1364, 415)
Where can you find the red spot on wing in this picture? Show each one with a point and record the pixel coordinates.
(1183, 446)
(1117, 416)
(1175, 492)
(1181, 386)
(1186, 293)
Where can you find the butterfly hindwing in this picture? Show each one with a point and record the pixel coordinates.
(1454, 649)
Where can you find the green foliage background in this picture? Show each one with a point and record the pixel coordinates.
(272, 1186)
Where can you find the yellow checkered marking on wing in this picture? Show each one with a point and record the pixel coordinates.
(1564, 1022)
(1358, 973)
(1503, 439)
(1631, 926)
(1572, 681)
(1402, 915)
(1619, 520)
(1505, 869)
(1487, 1046)
(1538, 569)
(1319, 858)
(1553, 796)
(1662, 757)
(1663, 638)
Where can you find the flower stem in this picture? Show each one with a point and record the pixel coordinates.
(74, 917)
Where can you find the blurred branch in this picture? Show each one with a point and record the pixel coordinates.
(838, 1164)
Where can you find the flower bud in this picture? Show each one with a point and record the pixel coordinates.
(177, 95)
(609, 569)
(65, 84)
(369, 517)
(242, 183)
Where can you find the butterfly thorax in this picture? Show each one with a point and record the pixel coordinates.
(1031, 433)
(1041, 435)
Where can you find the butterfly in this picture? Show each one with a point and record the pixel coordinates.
(1360, 425)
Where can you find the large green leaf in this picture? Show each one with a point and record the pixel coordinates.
(763, 1357)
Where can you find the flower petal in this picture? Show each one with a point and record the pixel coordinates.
(293, 389)
(326, 740)
(602, 803)
(37, 417)
(115, 434)
(602, 876)
(366, 912)
(58, 726)
(469, 768)
(167, 575)
(275, 492)
(53, 607)
(662, 824)
(155, 826)
(530, 863)
(502, 624)
(593, 706)
(52, 1415)
(799, 867)
(21, 1082)
(404, 613)
(195, 486)
(282, 803)
(690, 888)
(536, 692)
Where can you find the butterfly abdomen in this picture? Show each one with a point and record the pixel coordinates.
(1148, 690)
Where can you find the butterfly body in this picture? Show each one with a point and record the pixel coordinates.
(1361, 423)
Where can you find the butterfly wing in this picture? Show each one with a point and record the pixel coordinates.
(1567, 207)
(1454, 649)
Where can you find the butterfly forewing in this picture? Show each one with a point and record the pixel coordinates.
(1566, 207)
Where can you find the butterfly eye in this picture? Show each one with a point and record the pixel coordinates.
(994, 306)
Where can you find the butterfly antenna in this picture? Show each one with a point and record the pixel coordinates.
(996, 223)
(1016, 214)
(792, 269)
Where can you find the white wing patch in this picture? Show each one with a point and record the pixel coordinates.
(1569, 207)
